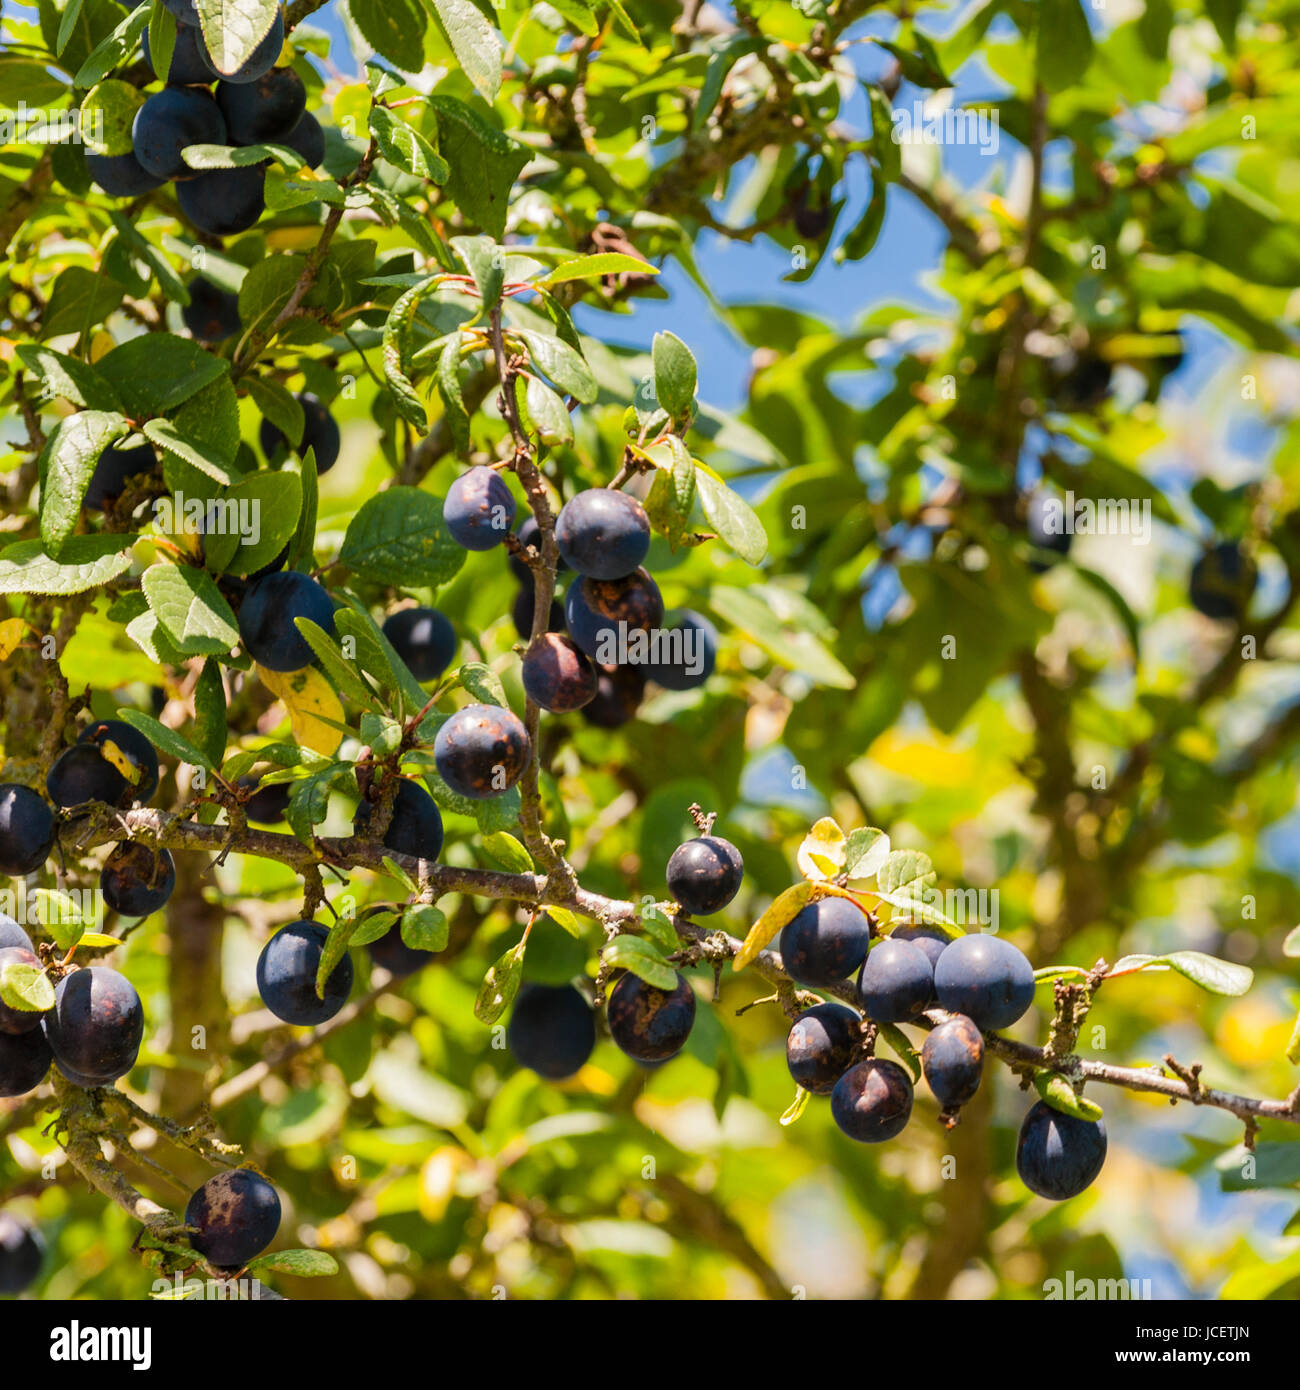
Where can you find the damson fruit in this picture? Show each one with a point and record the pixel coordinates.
(826, 942)
(21, 1254)
(307, 140)
(212, 315)
(952, 1059)
(693, 648)
(985, 978)
(897, 981)
(26, 830)
(391, 953)
(416, 824)
(189, 65)
(872, 1102)
(1058, 1155)
(81, 774)
(556, 675)
(705, 874)
(265, 110)
(603, 613)
(224, 201)
(121, 175)
(11, 934)
(268, 804)
(112, 472)
(136, 881)
(18, 1021)
(266, 619)
(96, 1026)
(424, 639)
(262, 59)
(1223, 581)
(932, 940)
(522, 612)
(235, 1216)
(529, 533)
(821, 1045)
(128, 750)
(649, 1024)
(24, 1062)
(619, 692)
(320, 432)
(168, 122)
(603, 533)
(482, 751)
(552, 1030)
(286, 975)
(479, 510)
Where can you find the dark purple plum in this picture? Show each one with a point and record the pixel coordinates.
(27, 830)
(235, 1216)
(108, 481)
(602, 613)
(96, 1026)
(603, 534)
(268, 804)
(872, 1101)
(264, 110)
(82, 774)
(11, 934)
(1223, 581)
(482, 751)
(128, 750)
(985, 978)
(556, 675)
(286, 975)
(896, 982)
(212, 315)
(137, 881)
(416, 824)
(522, 612)
(693, 654)
(263, 58)
(307, 140)
(480, 509)
(424, 639)
(826, 942)
(168, 122)
(932, 940)
(821, 1046)
(121, 175)
(223, 202)
(619, 691)
(952, 1059)
(552, 1030)
(1059, 1155)
(649, 1024)
(25, 1061)
(530, 533)
(266, 619)
(189, 64)
(21, 1254)
(320, 432)
(391, 953)
(704, 874)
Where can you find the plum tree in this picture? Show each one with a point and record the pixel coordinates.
(687, 672)
(286, 975)
(872, 1101)
(986, 978)
(704, 874)
(22, 1253)
(13, 1020)
(482, 751)
(479, 509)
(82, 774)
(267, 804)
(619, 692)
(952, 1059)
(826, 942)
(262, 59)
(168, 122)
(112, 472)
(896, 981)
(212, 315)
(96, 1025)
(416, 824)
(1223, 581)
(266, 619)
(556, 675)
(552, 1030)
(121, 175)
(27, 830)
(1058, 1155)
(264, 110)
(821, 1045)
(128, 750)
(222, 202)
(601, 612)
(137, 881)
(603, 533)
(320, 432)
(424, 639)
(650, 1024)
(25, 1060)
(307, 140)
(189, 66)
(234, 1217)
(391, 953)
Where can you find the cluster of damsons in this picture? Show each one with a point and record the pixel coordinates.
(982, 982)
(259, 104)
(552, 1028)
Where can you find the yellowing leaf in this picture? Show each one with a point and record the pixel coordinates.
(821, 856)
(796, 1107)
(12, 631)
(783, 910)
(310, 700)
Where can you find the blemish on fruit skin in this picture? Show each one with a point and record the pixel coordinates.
(647, 1023)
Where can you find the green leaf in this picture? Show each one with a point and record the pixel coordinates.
(399, 537)
(1216, 976)
(210, 724)
(394, 28)
(597, 267)
(504, 852)
(902, 1048)
(68, 377)
(304, 538)
(758, 610)
(336, 947)
(241, 157)
(904, 870)
(190, 610)
(731, 517)
(557, 360)
(113, 50)
(162, 38)
(99, 941)
(797, 1106)
(402, 145)
(425, 928)
(642, 958)
(169, 437)
(474, 41)
(566, 919)
(865, 851)
(1065, 46)
(864, 235)
(156, 372)
(486, 262)
(232, 30)
(1291, 946)
(26, 988)
(484, 163)
(79, 300)
(252, 522)
(1060, 1095)
(70, 459)
(550, 419)
(303, 1264)
(675, 375)
(87, 562)
(375, 654)
(336, 666)
(672, 495)
(167, 740)
(500, 985)
(483, 684)
(67, 25)
(59, 914)
(108, 112)
(656, 927)
(396, 328)
(449, 392)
